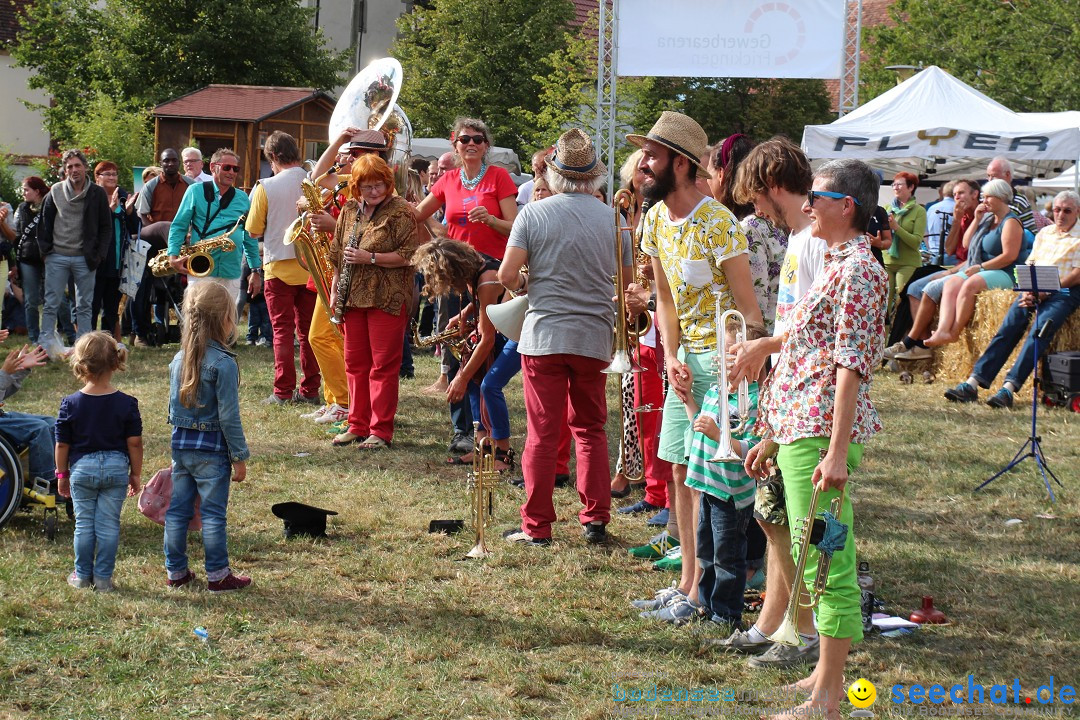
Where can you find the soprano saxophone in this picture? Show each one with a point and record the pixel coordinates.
(345, 277)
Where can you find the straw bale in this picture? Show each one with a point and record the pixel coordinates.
(956, 360)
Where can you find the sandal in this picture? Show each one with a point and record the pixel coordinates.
(457, 460)
(345, 438)
(506, 457)
(373, 442)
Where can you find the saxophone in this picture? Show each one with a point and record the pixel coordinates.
(312, 246)
(196, 256)
(345, 279)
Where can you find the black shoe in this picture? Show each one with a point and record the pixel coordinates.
(560, 481)
(407, 375)
(624, 493)
(299, 399)
(641, 506)
(1003, 398)
(461, 444)
(595, 532)
(962, 393)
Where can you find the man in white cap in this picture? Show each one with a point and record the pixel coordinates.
(565, 345)
(702, 268)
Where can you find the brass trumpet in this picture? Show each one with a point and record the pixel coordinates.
(724, 450)
(482, 490)
(196, 256)
(829, 535)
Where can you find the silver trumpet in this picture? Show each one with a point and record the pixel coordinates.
(725, 452)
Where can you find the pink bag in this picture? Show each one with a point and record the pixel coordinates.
(155, 497)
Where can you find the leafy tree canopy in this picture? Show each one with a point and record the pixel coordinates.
(1023, 53)
(478, 58)
(143, 52)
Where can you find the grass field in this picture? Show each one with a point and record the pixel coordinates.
(383, 620)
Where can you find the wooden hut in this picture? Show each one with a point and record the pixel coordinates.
(240, 117)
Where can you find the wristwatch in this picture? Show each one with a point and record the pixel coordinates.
(372, 258)
(651, 305)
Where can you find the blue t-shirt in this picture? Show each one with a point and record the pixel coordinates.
(91, 423)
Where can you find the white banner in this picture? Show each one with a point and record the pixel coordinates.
(731, 38)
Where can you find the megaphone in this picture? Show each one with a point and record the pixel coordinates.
(508, 317)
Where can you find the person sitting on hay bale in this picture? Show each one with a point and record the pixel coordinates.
(1059, 245)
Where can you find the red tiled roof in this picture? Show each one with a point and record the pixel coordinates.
(249, 103)
(10, 10)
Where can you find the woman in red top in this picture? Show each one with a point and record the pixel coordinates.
(480, 199)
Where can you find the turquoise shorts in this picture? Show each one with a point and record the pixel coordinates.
(675, 435)
(994, 279)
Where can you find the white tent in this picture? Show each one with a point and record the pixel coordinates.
(936, 125)
(432, 148)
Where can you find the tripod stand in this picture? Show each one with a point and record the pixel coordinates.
(1029, 278)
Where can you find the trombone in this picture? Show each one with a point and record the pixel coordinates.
(482, 490)
(623, 361)
(725, 452)
(829, 536)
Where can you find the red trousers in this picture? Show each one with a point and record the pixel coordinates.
(373, 346)
(290, 308)
(649, 391)
(548, 380)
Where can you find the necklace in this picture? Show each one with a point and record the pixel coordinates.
(471, 184)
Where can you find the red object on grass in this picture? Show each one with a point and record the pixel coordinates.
(928, 613)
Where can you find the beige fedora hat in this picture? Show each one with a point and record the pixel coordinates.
(680, 133)
(575, 157)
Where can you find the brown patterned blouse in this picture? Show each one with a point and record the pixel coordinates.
(391, 228)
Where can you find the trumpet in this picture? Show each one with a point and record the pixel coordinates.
(482, 487)
(623, 361)
(724, 450)
(829, 536)
(196, 256)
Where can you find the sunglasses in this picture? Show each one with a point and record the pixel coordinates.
(229, 168)
(466, 139)
(357, 152)
(810, 196)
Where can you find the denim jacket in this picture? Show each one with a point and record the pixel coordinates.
(218, 399)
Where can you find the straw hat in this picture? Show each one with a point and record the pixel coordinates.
(366, 140)
(575, 157)
(680, 133)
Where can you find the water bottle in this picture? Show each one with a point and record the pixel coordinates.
(866, 588)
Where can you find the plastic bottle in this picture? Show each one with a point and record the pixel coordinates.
(866, 587)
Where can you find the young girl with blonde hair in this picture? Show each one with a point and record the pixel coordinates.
(99, 455)
(208, 445)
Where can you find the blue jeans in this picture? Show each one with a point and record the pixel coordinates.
(58, 268)
(31, 283)
(507, 364)
(259, 322)
(35, 432)
(461, 416)
(721, 555)
(209, 474)
(1053, 311)
(916, 288)
(98, 487)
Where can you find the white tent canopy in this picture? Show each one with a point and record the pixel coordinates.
(432, 148)
(936, 125)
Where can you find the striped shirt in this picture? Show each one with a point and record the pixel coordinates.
(202, 440)
(727, 481)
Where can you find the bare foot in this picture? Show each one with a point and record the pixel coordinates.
(810, 709)
(939, 338)
(619, 483)
(437, 388)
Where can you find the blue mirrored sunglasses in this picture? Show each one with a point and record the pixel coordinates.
(829, 194)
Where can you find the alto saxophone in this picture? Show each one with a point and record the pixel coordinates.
(345, 278)
(196, 256)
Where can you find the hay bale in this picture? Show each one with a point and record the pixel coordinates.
(956, 360)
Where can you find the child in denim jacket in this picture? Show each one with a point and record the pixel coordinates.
(208, 446)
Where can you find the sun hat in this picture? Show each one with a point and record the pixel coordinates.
(679, 133)
(367, 140)
(575, 157)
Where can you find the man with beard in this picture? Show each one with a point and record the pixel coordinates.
(702, 267)
(775, 177)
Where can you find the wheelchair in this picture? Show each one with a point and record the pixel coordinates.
(20, 491)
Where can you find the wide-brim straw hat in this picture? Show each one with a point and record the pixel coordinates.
(575, 157)
(367, 140)
(680, 133)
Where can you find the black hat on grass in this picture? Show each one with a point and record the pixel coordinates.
(301, 519)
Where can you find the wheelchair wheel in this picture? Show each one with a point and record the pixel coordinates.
(11, 481)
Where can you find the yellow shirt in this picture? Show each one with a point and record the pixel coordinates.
(287, 271)
(691, 253)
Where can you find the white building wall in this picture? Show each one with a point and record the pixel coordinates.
(368, 27)
(21, 130)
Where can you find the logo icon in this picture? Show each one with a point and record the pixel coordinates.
(862, 695)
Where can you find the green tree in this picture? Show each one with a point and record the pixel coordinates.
(116, 133)
(1023, 53)
(478, 58)
(148, 51)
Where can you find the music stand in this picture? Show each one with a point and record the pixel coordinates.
(1035, 279)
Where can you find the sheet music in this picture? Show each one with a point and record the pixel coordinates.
(1037, 278)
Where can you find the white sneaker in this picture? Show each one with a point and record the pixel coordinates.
(315, 414)
(335, 413)
(915, 353)
(896, 347)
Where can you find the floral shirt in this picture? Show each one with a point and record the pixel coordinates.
(768, 246)
(391, 228)
(839, 323)
(692, 252)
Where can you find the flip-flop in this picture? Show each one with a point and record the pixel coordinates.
(345, 438)
(373, 442)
